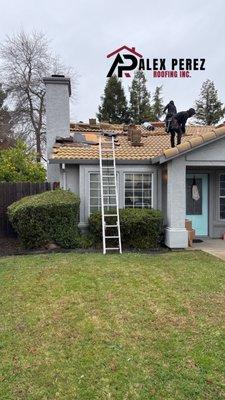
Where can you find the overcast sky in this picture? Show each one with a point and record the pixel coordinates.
(83, 32)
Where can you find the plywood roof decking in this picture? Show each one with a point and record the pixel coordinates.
(155, 143)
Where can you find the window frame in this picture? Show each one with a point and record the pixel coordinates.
(89, 189)
(138, 173)
(221, 197)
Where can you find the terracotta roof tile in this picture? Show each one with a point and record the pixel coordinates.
(184, 146)
(154, 143)
(171, 152)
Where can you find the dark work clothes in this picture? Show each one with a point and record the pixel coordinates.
(172, 138)
(177, 126)
(171, 109)
(179, 120)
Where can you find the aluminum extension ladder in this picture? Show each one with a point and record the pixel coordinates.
(109, 195)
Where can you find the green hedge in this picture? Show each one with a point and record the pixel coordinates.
(46, 217)
(140, 228)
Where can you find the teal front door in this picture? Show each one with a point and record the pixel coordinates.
(197, 210)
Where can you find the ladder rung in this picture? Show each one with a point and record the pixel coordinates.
(108, 176)
(112, 248)
(110, 215)
(110, 205)
(111, 226)
(109, 185)
(110, 167)
(112, 237)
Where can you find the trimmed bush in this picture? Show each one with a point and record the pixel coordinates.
(46, 217)
(140, 228)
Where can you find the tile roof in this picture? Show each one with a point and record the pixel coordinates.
(192, 142)
(154, 143)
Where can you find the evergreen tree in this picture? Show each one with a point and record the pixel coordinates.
(157, 105)
(5, 120)
(209, 109)
(140, 109)
(114, 104)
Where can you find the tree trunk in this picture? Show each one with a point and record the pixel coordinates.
(38, 146)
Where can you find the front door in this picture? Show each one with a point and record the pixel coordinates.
(197, 210)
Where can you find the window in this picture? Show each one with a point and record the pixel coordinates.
(95, 192)
(222, 196)
(138, 190)
(193, 207)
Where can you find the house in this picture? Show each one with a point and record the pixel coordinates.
(152, 175)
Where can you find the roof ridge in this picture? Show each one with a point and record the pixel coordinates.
(193, 143)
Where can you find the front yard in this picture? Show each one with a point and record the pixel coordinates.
(87, 326)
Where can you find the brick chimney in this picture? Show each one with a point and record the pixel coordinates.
(92, 121)
(134, 135)
(58, 91)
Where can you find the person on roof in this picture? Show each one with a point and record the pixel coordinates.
(171, 110)
(177, 125)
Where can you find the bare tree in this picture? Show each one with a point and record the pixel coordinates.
(25, 60)
(6, 123)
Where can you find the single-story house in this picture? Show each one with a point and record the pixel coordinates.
(151, 175)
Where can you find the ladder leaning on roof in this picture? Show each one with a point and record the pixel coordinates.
(109, 195)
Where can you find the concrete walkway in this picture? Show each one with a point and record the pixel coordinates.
(216, 247)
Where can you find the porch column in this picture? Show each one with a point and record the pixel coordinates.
(176, 236)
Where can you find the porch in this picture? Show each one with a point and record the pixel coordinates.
(215, 247)
(206, 210)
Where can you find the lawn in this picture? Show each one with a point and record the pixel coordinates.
(88, 326)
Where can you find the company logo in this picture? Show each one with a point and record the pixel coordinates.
(127, 59)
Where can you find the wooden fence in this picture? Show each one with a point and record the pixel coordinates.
(13, 191)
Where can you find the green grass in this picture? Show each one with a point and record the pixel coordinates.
(88, 326)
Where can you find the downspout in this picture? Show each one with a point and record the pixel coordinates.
(64, 176)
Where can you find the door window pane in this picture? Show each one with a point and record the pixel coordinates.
(222, 196)
(193, 207)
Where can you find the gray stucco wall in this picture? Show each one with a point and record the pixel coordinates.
(57, 118)
(211, 154)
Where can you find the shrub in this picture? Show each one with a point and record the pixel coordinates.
(85, 241)
(140, 228)
(19, 164)
(46, 217)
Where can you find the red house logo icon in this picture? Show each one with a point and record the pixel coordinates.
(127, 61)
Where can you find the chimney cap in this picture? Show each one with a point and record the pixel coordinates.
(58, 76)
(58, 79)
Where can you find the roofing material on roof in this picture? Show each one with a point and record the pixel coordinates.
(156, 144)
(190, 144)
